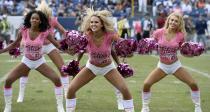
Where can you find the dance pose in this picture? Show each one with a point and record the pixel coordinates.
(100, 35)
(48, 49)
(33, 34)
(169, 39)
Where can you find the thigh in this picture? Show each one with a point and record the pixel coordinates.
(47, 71)
(156, 75)
(82, 78)
(56, 58)
(115, 78)
(17, 72)
(184, 76)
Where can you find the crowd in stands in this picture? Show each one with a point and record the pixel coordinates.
(140, 25)
(67, 8)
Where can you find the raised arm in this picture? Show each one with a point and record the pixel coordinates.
(60, 28)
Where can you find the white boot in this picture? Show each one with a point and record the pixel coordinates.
(22, 85)
(60, 107)
(8, 104)
(70, 105)
(65, 83)
(119, 99)
(145, 101)
(21, 94)
(195, 95)
(145, 108)
(198, 108)
(70, 109)
(128, 105)
(59, 99)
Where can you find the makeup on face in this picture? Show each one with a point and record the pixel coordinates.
(95, 24)
(173, 22)
(35, 19)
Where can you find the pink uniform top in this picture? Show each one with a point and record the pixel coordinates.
(168, 49)
(33, 48)
(101, 54)
(53, 21)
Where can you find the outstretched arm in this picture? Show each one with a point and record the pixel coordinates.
(14, 44)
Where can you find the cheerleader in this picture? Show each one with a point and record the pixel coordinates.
(48, 49)
(100, 35)
(169, 39)
(33, 34)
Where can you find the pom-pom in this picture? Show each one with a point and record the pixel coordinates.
(191, 49)
(125, 70)
(72, 69)
(15, 52)
(75, 41)
(147, 45)
(126, 47)
(1, 45)
(64, 45)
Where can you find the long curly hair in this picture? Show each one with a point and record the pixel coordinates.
(181, 26)
(43, 26)
(104, 16)
(45, 9)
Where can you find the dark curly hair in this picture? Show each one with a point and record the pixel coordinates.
(43, 26)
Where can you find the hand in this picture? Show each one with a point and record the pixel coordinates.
(70, 51)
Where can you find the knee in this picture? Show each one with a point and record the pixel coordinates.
(146, 86)
(56, 80)
(8, 82)
(193, 85)
(71, 91)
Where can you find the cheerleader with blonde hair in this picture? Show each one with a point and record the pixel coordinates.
(169, 39)
(100, 35)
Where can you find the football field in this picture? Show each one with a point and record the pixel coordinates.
(168, 95)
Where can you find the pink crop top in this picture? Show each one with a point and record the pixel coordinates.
(168, 49)
(101, 54)
(33, 48)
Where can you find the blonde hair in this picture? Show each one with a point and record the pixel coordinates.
(181, 26)
(103, 15)
(43, 7)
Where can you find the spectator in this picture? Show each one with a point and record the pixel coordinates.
(5, 36)
(201, 28)
(147, 24)
(189, 27)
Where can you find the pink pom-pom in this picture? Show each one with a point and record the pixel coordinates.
(72, 69)
(64, 45)
(126, 47)
(191, 49)
(1, 45)
(15, 52)
(76, 41)
(147, 45)
(125, 70)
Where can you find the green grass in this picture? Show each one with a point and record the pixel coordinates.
(168, 95)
